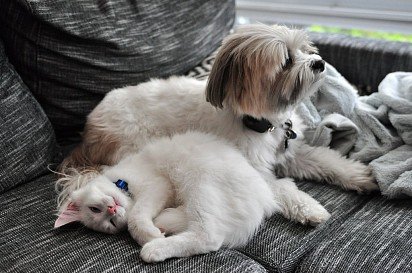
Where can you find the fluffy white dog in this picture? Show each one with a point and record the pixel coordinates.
(259, 75)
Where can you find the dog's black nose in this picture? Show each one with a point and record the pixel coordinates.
(318, 65)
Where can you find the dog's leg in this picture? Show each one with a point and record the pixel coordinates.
(296, 205)
(324, 164)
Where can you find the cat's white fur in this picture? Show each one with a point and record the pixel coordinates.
(198, 188)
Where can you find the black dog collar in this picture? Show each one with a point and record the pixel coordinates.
(263, 125)
(258, 125)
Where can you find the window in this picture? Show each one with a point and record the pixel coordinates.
(382, 15)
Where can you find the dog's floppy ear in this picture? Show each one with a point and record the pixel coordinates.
(238, 75)
(219, 76)
(229, 74)
(245, 69)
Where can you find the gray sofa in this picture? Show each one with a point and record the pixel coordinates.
(57, 60)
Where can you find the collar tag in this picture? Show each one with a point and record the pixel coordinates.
(264, 126)
(121, 184)
(289, 133)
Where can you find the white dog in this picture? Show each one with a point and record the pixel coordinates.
(259, 75)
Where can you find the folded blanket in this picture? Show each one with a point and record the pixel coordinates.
(393, 171)
(375, 128)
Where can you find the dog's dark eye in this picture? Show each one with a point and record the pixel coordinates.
(288, 63)
(95, 210)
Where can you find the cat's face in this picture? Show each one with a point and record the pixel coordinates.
(99, 205)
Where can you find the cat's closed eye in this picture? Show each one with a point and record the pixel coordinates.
(95, 210)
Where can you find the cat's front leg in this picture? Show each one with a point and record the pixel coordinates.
(140, 220)
(197, 239)
(144, 231)
(141, 227)
(172, 220)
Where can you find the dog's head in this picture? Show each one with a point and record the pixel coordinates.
(261, 70)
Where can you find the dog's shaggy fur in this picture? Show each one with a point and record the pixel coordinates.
(260, 71)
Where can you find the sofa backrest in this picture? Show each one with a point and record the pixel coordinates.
(71, 53)
(364, 62)
(27, 141)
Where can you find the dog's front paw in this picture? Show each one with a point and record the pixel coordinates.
(306, 210)
(312, 214)
(154, 251)
(360, 178)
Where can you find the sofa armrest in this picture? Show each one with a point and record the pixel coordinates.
(363, 62)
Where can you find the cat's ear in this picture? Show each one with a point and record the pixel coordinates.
(70, 213)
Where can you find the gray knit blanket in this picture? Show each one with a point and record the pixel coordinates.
(375, 129)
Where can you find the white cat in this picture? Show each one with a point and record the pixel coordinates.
(195, 186)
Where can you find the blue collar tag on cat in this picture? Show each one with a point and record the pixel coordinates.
(121, 184)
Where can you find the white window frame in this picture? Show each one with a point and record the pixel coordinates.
(383, 15)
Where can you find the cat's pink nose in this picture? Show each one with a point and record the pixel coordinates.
(111, 210)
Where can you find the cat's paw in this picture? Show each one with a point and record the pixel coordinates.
(144, 234)
(360, 179)
(154, 251)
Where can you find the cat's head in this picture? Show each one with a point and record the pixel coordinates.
(99, 205)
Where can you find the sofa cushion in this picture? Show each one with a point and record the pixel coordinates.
(30, 244)
(26, 136)
(281, 244)
(76, 51)
(365, 232)
(376, 238)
